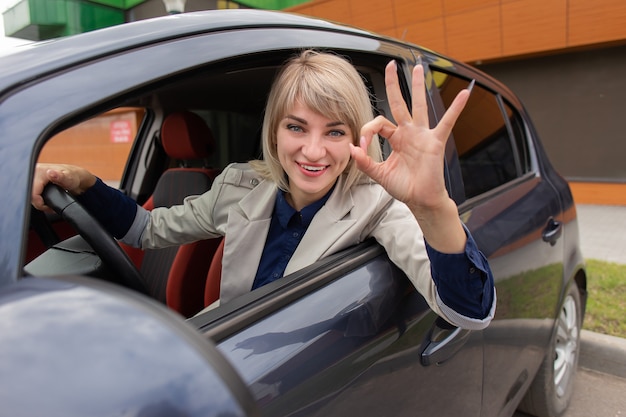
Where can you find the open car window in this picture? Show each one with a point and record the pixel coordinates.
(101, 144)
(123, 144)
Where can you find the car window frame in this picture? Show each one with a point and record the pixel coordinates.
(452, 157)
(116, 93)
(173, 56)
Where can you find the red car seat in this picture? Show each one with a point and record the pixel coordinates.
(176, 275)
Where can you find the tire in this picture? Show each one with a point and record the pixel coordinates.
(551, 391)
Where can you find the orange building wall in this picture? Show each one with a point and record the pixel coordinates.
(491, 30)
(101, 144)
(482, 30)
(610, 194)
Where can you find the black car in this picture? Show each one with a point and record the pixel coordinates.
(113, 332)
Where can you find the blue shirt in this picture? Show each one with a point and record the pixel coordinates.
(286, 230)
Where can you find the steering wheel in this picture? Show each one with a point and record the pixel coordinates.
(66, 206)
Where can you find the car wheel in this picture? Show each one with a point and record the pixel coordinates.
(550, 392)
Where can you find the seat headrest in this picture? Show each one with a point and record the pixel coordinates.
(186, 136)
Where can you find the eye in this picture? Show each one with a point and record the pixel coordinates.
(337, 133)
(294, 127)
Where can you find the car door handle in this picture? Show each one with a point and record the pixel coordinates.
(444, 342)
(552, 232)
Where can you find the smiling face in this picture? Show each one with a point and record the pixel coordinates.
(308, 86)
(313, 151)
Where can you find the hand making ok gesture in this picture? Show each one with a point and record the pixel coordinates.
(413, 173)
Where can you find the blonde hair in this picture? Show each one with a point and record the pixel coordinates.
(327, 84)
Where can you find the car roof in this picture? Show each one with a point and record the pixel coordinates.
(37, 59)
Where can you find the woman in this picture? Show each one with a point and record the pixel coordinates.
(321, 188)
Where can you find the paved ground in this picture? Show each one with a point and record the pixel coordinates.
(603, 232)
(596, 394)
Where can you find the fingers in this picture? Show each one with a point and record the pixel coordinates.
(363, 161)
(43, 175)
(65, 176)
(397, 105)
(39, 182)
(419, 106)
(59, 177)
(445, 125)
(360, 153)
(38, 203)
(409, 125)
(380, 125)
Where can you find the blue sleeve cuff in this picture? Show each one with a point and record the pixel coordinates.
(114, 210)
(464, 281)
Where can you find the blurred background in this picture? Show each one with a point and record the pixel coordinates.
(564, 58)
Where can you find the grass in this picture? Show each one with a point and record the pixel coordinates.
(606, 304)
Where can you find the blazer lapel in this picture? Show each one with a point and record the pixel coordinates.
(248, 224)
(327, 227)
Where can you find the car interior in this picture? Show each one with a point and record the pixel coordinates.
(191, 126)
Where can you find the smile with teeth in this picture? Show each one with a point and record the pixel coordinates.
(313, 168)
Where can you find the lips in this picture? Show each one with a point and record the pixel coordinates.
(312, 170)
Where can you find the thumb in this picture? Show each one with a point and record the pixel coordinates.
(38, 203)
(68, 179)
(363, 161)
(57, 177)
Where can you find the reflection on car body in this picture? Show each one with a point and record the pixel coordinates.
(348, 334)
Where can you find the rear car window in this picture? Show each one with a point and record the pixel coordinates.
(489, 137)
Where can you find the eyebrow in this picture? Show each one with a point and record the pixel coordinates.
(304, 122)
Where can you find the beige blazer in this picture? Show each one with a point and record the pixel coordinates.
(240, 204)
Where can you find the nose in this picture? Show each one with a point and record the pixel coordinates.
(314, 147)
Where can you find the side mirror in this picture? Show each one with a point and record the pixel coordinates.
(81, 347)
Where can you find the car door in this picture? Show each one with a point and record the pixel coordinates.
(348, 335)
(516, 217)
